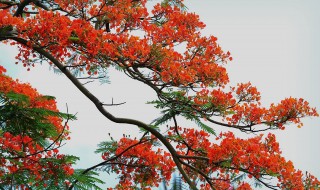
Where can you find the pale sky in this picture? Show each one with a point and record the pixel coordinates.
(275, 45)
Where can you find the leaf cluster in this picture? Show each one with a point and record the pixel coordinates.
(175, 103)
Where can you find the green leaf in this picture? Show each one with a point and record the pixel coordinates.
(107, 146)
(4, 30)
(169, 114)
(17, 97)
(142, 130)
(175, 137)
(118, 68)
(199, 123)
(86, 181)
(47, 97)
(273, 174)
(74, 38)
(70, 159)
(226, 163)
(46, 112)
(205, 127)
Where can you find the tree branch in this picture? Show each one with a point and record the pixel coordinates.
(208, 179)
(104, 112)
(21, 6)
(110, 159)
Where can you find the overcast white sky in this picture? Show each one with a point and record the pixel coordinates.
(275, 45)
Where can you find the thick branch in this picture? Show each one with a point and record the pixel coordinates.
(193, 157)
(25, 3)
(21, 7)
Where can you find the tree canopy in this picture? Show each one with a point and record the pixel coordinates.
(162, 47)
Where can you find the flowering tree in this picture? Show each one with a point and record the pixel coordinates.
(163, 48)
